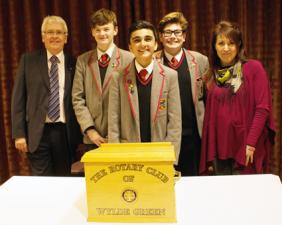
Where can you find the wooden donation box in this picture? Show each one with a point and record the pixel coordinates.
(132, 182)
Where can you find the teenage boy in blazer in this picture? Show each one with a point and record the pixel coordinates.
(191, 67)
(93, 76)
(144, 97)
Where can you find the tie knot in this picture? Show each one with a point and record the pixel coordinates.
(174, 61)
(104, 58)
(54, 59)
(142, 74)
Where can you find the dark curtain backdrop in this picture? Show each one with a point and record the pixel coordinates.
(20, 23)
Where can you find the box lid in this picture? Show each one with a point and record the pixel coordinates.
(132, 152)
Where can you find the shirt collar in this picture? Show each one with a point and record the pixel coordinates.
(109, 51)
(149, 68)
(60, 56)
(177, 56)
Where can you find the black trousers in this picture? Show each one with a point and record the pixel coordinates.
(89, 147)
(189, 157)
(53, 156)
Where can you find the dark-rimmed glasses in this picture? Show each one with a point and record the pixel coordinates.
(168, 33)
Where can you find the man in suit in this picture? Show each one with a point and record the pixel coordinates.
(43, 122)
(144, 97)
(93, 76)
(191, 67)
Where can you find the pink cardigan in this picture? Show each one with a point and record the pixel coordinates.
(233, 121)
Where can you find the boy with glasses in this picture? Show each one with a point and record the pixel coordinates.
(93, 76)
(144, 97)
(191, 66)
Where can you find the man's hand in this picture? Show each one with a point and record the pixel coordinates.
(21, 144)
(249, 154)
(95, 137)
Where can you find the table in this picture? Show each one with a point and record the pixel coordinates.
(214, 200)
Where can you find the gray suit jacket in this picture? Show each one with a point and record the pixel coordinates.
(90, 98)
(198, 67)
(124, 124)
(30, 100)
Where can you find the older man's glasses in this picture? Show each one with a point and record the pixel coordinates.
(54, 32)
(168, 33)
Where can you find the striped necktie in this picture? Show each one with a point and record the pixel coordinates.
(54, 97)
(174, 62)
(142, 74)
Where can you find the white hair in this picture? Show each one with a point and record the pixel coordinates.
(51, 19)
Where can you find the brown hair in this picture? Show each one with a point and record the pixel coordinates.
(103, 16)
(173, 17)
(231, 31)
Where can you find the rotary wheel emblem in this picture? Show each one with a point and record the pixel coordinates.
(129, 195)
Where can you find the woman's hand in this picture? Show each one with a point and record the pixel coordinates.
(249, 154)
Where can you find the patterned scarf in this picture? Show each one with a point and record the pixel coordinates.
(230, 77)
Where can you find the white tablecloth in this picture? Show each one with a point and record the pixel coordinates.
(217, 200)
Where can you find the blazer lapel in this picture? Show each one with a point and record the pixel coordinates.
(94, 68)
(114, 64)
(68, 76)
(157, 89)
(131, 91)
(43, 68)
(194, 73)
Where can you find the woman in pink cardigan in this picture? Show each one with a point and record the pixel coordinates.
(238, 127)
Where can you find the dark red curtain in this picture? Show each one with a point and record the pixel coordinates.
(20, 23)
